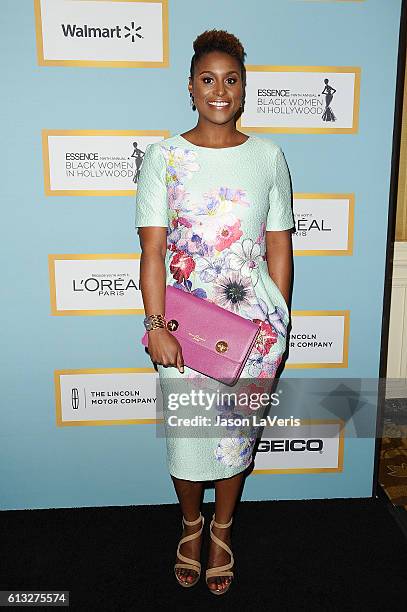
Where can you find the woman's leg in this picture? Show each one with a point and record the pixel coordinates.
(227, 491)
(189, 494)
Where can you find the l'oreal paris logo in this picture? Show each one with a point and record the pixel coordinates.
(104, 286)
(306, 225)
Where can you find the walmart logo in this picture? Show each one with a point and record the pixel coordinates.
(131, 32)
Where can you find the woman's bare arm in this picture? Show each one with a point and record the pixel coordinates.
(163, 347)
(279, 259)
(152, 268)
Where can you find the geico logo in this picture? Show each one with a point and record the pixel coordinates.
(71, 156)
(273, 92)
(282, 446)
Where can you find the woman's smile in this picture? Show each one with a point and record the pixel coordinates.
(219, 104)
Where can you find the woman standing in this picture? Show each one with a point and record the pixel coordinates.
(328, 91)
(214, 211)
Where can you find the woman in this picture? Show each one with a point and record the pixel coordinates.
(328, 91)
(214, 214)
(138, 155)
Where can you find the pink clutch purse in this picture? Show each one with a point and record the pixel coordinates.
(214, 341)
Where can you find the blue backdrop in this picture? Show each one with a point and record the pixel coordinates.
(46, 466)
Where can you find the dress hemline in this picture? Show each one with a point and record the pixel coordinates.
(211, 479)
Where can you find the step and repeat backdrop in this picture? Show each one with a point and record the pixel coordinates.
(89, 85)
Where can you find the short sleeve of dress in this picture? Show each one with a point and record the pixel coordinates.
(280, 215)
(151, 195)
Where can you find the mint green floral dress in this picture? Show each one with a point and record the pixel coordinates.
(217, 205)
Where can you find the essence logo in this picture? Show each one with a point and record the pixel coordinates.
(75, 398)
(74, 31)
(271, 93)
(284, 446)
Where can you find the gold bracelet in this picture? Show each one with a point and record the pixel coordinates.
(157, 324)
(154, 321)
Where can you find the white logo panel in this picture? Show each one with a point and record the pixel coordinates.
(100, 396)
(315, 447)
(92, 162)
(89, 33)
(324, 224)
(95, 284)
(319, 339)
(301, 99)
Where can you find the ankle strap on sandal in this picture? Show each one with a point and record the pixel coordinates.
(191, 523)
(221, 525)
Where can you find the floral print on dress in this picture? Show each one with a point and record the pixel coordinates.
(245, 256)
(211, 258)
(181, 163)
(233, 291)
(234, 452)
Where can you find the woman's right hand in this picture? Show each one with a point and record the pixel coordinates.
(165, 349)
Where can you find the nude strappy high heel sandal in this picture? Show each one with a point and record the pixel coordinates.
(222, 570)
(190, 564)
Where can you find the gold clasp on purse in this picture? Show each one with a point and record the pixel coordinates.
(172, 324)
(221, 346)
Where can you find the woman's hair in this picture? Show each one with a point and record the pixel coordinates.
(218, 40)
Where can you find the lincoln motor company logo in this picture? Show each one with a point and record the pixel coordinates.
(132, 31)
(75, 398)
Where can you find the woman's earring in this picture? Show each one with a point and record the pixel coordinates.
(192, 102)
